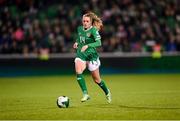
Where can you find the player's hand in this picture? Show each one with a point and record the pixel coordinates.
(75, 45)
(84, 48)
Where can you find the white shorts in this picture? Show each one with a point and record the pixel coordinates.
(92, 65)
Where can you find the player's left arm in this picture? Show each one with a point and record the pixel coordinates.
(97, 38)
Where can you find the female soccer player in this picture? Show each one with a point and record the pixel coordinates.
(86, 55)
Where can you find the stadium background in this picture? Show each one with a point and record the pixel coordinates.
(140, 49)
(132, 28)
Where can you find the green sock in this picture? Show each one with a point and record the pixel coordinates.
(103, 87)
(82, 83)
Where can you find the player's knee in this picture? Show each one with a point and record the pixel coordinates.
(79, 70)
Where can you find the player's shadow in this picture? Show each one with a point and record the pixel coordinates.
(135, 107)
(147, 107)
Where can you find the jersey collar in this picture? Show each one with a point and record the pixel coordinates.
(87, 29)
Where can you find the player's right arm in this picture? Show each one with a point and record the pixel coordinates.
(75, 45)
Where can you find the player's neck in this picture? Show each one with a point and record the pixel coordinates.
(86, 29)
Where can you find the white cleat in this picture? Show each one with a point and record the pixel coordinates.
(108, 97)
(85, 98)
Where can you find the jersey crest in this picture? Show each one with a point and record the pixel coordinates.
(88, 34)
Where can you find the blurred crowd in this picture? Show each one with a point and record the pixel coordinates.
(32, 26)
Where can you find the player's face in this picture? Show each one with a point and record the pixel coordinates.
(86, 21)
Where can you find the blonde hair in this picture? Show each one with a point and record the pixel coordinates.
(96, 21)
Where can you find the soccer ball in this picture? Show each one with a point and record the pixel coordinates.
(63, 102)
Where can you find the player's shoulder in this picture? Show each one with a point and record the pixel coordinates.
(94, 28)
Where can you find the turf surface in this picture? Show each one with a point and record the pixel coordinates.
(141, 96)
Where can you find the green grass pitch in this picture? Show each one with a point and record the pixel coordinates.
(134, 96)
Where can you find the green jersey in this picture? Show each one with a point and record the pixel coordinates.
(91, 38)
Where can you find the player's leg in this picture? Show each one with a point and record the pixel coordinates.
(80, 66)
(96, 77)
(94, 68)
